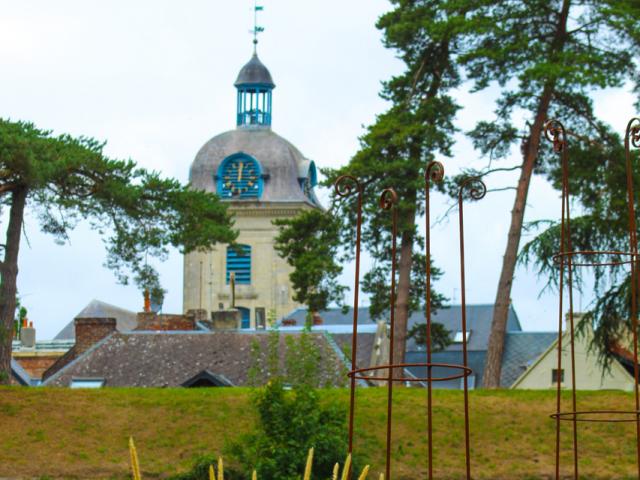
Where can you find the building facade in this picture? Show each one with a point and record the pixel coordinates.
(263, 177)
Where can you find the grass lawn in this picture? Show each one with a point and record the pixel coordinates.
(62, 433)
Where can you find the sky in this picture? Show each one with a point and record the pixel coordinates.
(154, 79)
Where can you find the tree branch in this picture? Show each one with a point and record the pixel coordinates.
(7, 187)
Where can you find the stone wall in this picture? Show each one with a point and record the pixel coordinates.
(205, 283)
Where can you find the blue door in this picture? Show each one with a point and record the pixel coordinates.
(246, 321)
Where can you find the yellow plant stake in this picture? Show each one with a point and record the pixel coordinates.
(347, 467)
(307, 469)
(220, 469)
(212, 473)
(364, 473)
(135, 466)
(336, 470)
(254, 476)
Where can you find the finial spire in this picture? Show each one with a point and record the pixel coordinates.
(256, 28)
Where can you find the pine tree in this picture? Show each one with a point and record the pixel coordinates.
(395, 150)
(548, 57)
(63, 180)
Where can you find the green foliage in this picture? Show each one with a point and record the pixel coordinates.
(598, 182)
(138, 213)
(547, 58)
(440, 336)
(21, 314)
(310, 243)
(377, 282)
(296, 360)
(288, 424)
(200, 470)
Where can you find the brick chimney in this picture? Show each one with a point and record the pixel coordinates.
(165, 322)
(90, 331)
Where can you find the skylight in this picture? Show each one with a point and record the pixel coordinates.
(87, 383)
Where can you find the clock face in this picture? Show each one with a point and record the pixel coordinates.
(240, 178)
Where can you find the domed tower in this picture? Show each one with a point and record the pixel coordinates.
(263, 177)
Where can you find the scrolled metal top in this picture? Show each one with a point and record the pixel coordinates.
(345, 185)
(388, 199)
(434, 172)
(475, 185)
(632, 134)
(555, 132)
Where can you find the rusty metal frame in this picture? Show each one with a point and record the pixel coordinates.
(347, 185)
(555, 132)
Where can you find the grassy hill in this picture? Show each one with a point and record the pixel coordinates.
(62, 433)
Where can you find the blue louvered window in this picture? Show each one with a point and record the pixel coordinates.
(239, 262)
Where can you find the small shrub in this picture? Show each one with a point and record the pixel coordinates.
(289, 423)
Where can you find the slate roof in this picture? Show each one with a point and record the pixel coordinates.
(125, 319)
(475, 361)
(168, 359)
(254, 73)
(479, 319)
(19, 374)
(364, 347)
(521, 349)
(279, 160)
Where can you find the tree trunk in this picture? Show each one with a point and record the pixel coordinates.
(403, 291)
(493, 365)
(9, 273)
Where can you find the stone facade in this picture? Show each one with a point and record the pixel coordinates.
(281, 186)
(205, 283)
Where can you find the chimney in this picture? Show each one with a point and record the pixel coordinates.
(90, 331)
(28, 335)
(165, 321)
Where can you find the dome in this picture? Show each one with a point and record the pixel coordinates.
(254, 73)
(280, 164)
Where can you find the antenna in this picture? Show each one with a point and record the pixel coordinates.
(256, 28)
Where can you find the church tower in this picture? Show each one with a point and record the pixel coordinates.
(263, 177)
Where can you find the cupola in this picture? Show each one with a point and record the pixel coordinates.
(254, 85)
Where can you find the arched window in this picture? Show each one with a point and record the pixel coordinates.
(239, 176)
(239, 263)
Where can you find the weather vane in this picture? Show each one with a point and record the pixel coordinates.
(256, 28)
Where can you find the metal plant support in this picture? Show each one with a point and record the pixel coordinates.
(392, 373)
(568, 259)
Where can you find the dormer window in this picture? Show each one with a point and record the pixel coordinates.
(459, 338)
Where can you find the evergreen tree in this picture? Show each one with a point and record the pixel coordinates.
(65, 180)
(548, 57)
(395, 150)
(598, 183)
(310, 242)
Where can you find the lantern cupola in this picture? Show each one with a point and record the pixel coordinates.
(254, 85)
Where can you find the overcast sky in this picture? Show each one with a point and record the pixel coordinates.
(155, 80)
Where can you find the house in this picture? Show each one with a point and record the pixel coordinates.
(519, 348)
(166, 351)
(590, 374)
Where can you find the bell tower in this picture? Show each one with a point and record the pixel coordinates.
(262, 177)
